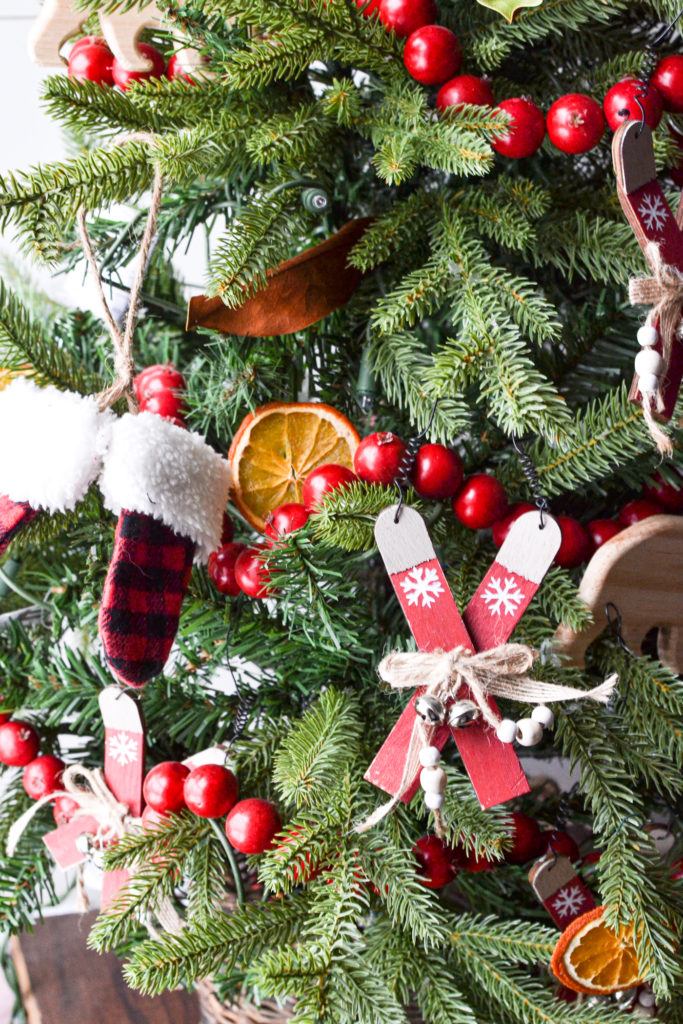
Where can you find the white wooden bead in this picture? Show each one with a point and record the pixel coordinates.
(433, 780)
(543, 715)
(646, 998)
(647, 336)
(529, 733)
(507, 731)
(433, 801)
(429, 757)
(648, 384)
(649, 361)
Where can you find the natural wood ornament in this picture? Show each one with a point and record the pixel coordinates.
(559, 889)
(640, 571)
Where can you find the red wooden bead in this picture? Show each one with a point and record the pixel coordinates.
(227, 529)
(64, 809)
(405, 16)
(251, 574)
(123, 78)
(525, 132)
(601, 530)
(210, 790)
(560, 842)
(666, 495)
(285, 519)
(252, 825)
(160, 377)
(641, 508)
(19, 743)
(575, 123)
(668, 80)
(163, 786)
(324, 480)
(480, 502)
(575, 546)
(437, 472)
(43, 775)
(377, 458)
(91, 62)
(432, 54)
(464, 89)
(527, 839)
(500, 530)
(222, 568)
(620, 103)
(435, 864)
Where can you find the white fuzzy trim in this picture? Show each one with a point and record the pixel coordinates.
(168, 473)
(51, 444)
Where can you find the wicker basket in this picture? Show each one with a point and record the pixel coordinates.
(212, 1011)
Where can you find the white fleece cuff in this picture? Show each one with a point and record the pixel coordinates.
(166, 472)
(51, 444)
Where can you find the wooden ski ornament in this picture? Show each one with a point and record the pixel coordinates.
(435, 622)
(560, 889)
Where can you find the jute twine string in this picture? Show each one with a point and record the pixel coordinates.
(664, 292)
(123, 341)
(499, 672)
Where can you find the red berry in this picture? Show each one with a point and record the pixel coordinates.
(642, 508)
(575, 123)
(19, 743)
(91, 62)
(324, 480)
(405, 16)
(668, 80)
(667, 495)
(222, 568)
(480, 502)
(227, 529)
(437, 472)
(43, 775)
(575, 546)
(123, 77)
(87, 41)
(432, 54)
(210, 790)
(251, 574)
(500, 529)
(621, 105)
(677, 870)
(64, 809)
(464, 89)
(560, 842)
(367, 9)
(285, 519)
(602, 530)
(473, 863)
(303, 870)
(160, 377)
(252, 825)
(435, 865)
(164, 403)
(378, 457)
(527, 839)
(4, 716)
(163, 786)
(526, 130)
(152, 818)
(176, 69)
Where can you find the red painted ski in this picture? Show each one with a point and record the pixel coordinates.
(560, 889)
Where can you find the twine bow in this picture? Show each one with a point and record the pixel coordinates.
(498, 672)
(664, 292)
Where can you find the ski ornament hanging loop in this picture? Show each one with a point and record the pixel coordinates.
(647, 211)
(435, 622)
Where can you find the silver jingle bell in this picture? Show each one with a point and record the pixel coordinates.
(626, 997)
(463, 713)
(430, 709)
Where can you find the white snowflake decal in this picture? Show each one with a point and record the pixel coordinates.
(424, 584)
(502, 597)
(569, 901)
(653, 211)
(122, 748)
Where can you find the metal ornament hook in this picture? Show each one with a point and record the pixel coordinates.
(408, 461)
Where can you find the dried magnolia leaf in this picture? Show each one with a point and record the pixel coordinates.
(508, 8)
(299, 292)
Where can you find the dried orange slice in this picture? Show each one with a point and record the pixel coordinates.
(277, 446)
(591, 958)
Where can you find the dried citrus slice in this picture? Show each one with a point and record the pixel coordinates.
(591, 958)
(277, 446)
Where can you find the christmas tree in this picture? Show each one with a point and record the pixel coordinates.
(453, 279)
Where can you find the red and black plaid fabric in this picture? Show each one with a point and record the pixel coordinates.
(144, 589)
(13, 515)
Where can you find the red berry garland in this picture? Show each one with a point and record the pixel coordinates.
(432, 55)
(575, 123)
(464, 89)
(526, 130)
(435, 862)
(405, 16)
(19, 743)
(377, 458)
(163, 787)
(666, 495)
(560, 842)
(620, 103)
(252, 825)
(123, 77)
(602, 530)
(43, 775)
(668, 80)
(639, 509)
(64, 809)
(222, 568)
(91, 60)
(324, 480)
(210, 790)
(527, 839)
(500, 530)
(251, 574)
(437, 472)
(285, 519)
(575, 546)
(480, 502)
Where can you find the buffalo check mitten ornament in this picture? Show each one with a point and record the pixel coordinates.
(53, 443)
(169, 490)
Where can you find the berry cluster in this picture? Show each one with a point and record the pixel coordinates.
(91, 60)
(210, 791)
(42, 775)
(438, 863)
(159, 390)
